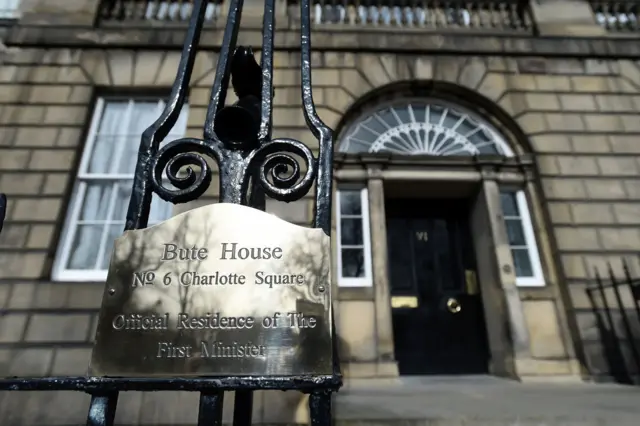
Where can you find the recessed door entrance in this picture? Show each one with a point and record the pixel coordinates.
(438, 323)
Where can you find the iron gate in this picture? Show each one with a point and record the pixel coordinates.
(252, 166)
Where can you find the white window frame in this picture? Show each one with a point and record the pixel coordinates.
(59, 270)
(10, 9)
(537, 280)
(367, 279)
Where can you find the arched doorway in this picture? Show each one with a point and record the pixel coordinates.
(448, 308)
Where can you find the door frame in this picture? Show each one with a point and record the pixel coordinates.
(477, 179)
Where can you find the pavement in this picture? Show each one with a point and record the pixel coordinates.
(484, 401)
(405, 401)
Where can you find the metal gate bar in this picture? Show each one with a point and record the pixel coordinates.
(243, 180)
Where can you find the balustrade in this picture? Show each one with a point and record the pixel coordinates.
(617, 16)
(505, 15)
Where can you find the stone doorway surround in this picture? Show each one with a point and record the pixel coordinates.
(479, 179)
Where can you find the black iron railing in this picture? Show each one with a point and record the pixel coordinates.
(482, 15)
(615, 303)
(3, 209)
(617, 16)
(252, 165)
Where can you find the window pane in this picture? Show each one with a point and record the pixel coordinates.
(352, 263)
(123, 193)
(350, 203)
(515, 232)
(143, 114)
(103, 155)
(522, 262)
(160, 209)
(113, 116)
(509, 204)
(113, 232)
(84, 250)
(351, 232)
(96, 201)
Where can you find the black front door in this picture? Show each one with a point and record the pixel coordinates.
(438, 323)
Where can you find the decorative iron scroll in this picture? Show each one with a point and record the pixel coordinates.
(237, 137)
(252, 165)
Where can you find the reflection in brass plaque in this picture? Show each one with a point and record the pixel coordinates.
(422, 236)
(220, 290)
(404, 302)
(471, 282)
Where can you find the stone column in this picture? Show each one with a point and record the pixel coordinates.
(509, 342)
(565, 18)
(378, 226)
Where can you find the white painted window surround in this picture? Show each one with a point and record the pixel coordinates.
(522, 240)
(432, 127)
(9, 9)
(353, 238)
(100, 198)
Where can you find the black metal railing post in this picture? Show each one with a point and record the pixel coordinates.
(3, 209)
(624, 316)
(238, 137)
(612, 339)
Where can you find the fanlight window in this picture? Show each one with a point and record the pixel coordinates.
(423, 128)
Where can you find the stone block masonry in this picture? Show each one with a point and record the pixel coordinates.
(580, 117)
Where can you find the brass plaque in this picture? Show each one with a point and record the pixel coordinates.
(404, 302)
(222, 290)
(471, 282)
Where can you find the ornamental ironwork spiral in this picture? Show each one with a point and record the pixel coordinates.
(237, 138)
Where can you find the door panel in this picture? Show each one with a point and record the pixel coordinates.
(429, 256)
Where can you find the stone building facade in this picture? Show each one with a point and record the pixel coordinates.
(483, 173)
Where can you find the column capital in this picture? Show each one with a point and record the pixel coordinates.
(374, 171)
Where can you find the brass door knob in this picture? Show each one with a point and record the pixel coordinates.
(453, 305)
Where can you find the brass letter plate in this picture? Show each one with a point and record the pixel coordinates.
(220, 290)
(471, 282)
(404, 302)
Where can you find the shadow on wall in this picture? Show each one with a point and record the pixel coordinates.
(615, 305)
